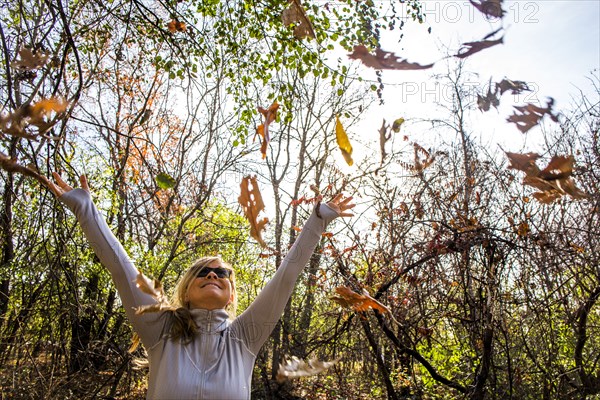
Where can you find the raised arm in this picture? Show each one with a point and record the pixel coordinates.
(258, 321)
(112, 255)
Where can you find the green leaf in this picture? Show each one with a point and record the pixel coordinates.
(165, 181)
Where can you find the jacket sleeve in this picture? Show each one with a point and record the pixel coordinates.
(114, 258)
(257, 322)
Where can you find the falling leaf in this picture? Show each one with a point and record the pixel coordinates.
(154, 288)
(383, 59)
(262, 130)
(176, 26)
(471, 48)
(523, 229)
(422, 159)
(30, 60)
(252, 204)
(553, 181)
(41, 115)
(165, 181)
(490, 99)
(397, 124)
(343, 141)
(524, 162)
(515, 87)
(528, 116)
(149, 286)
(295, 15)
(384, 136)
(295, 368)
(348, 298)
(490, 8)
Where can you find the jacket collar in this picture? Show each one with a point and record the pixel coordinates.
(210, 321)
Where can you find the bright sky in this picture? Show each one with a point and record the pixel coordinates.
(553, 45)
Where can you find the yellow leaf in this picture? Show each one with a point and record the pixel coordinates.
(343, 141)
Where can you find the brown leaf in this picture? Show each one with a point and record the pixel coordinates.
(490, 8)
(294, 368)
(296, 15)
(471, 48)
(529, 115)
(384, 136)
(176, 26)
(515, 87)
(30, 60)
(553, 181)
(348, 298)
(149, 286)
(490, 99)
(262, 130)
(559, 167)
(343, 141)
(38, 115)
(524, 162)
(383, 59)
(422, 159)
(252, 204)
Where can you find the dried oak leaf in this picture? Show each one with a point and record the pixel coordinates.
(515, 87)
(529, 115)
(384, 136)
(490, 8)
(154, 288)
(553, 182)
(422, 159)
(471, 48)
(348, 298)
(41, 112)
(252, 204)
(383, 59)
(295, 368)
(262, 130)
(42, 115)
(343, 141)
(490, 99)
(30, 60)
(296, 15)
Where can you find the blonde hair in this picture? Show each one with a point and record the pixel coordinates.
(183, 326)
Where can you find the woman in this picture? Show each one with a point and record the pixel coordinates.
(198, 352)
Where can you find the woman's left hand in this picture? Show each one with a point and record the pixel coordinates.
(341, 205)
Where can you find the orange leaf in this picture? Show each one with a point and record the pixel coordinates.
(252, 204)
(262, 130)
(172, 26)
(343, 141)
(348, 298)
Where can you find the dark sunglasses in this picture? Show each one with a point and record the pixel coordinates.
(220, 272)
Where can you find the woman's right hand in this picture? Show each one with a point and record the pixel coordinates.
(61, 187)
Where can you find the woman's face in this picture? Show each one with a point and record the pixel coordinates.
(209, 292)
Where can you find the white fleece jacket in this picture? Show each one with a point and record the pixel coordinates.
(218, 363)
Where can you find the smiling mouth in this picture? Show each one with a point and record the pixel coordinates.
(213, 284)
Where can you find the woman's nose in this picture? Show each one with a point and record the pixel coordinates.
(211, 275)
